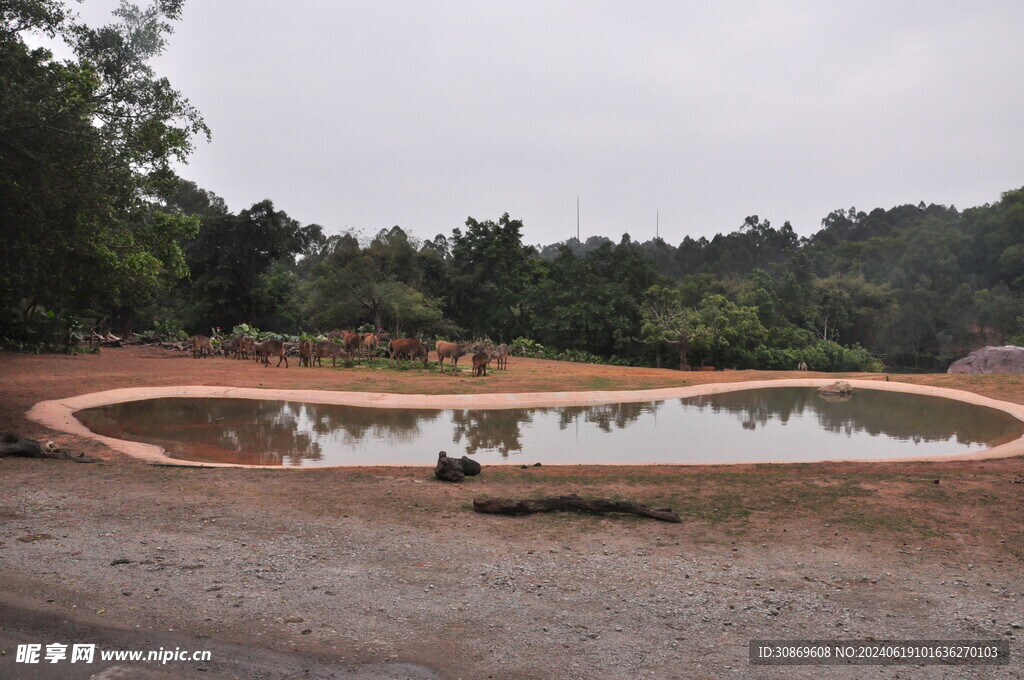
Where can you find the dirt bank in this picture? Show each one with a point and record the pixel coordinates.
(333, 569)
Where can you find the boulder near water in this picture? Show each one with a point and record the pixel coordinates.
(838, 388)
(1005, 359)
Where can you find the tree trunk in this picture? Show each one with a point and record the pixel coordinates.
(684, 345)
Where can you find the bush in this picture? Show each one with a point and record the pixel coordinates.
(820, 356)
(43, 331)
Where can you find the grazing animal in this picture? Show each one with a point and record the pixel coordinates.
(501, 354)
(480, 361)
(371, 341)
(201, 346)
(802, 366)
(351, 341)
(327, 348)
(231, 345)
(305, 353)
(409, 348)
(453, 351)
(269, 348)
(248, 348)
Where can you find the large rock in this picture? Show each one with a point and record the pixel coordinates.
(455, 469)
(1006, 359)
(838, 388)
(449, 469)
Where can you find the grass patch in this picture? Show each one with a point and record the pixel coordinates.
(884, 520)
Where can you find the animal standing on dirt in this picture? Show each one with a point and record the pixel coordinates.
(269, 348)
(802, 366)
(330, 349)
(480, 361)
(453, 351)
(407, 348)
(233, 347)
(201, 346)
(501, 354)
(305, 353)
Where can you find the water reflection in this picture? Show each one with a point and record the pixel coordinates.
(874, 412)
(498, 430)
(763, 424)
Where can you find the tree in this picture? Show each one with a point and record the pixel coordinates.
(725, 331)
(665, 320)
(491, 270)
(232, 256)
(86, 149)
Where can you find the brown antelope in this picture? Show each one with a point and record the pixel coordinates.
(501, 354)
(269, 348)
(201, 346)
(350, 339)
(453, 351)
(248, 348)
(480, 361)
(305, 353)
(371, 341)
(410, 348)
(327, 348)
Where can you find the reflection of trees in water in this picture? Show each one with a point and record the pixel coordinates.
(605, 416)
(899, 415)
(500, 429)
(254, 432)
(355, 423)
(487, 430)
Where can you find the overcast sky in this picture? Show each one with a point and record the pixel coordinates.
(369, 114)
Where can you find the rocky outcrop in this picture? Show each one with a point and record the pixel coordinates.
(1006, 359)
(838, 388)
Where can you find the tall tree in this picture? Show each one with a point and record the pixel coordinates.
(86, 149)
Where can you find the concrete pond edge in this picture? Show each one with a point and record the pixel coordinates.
(58, 414)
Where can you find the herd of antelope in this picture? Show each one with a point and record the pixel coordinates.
(349, 345)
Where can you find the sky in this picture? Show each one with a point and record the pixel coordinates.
(676, 116)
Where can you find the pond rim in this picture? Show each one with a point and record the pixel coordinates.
(58, 414)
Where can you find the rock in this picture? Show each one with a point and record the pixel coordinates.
(449, 469)
(1006, 359)
(839, 387)
(470, 466)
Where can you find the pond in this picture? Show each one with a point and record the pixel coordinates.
(778, 424)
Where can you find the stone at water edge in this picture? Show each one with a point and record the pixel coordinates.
(470, 466)
(838, 387)
(449, 469)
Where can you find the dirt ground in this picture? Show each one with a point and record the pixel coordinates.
(387, 573)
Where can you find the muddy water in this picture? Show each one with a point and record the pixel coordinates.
(773, 424)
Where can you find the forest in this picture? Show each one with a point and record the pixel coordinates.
(97, 228)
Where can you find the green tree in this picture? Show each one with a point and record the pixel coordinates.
(725, 332)
(664, 319)
(86, 149)
(491, 271)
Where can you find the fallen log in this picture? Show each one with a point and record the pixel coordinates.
(12, 445)
(571, 503)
